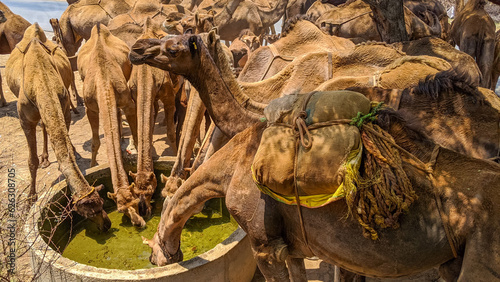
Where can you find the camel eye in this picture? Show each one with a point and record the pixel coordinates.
(172, 52)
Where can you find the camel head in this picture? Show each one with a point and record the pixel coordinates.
(178, 54)
(90, 205)
(128, 203)
(144, 188)
(173, 23)
(172, 183)
(159, 253)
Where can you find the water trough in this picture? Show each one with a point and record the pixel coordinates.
(230, 260)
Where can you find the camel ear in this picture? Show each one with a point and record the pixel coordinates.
(193, 44)
(212, 36)
(151, 176)
(188, 31)
(145, 241)
(112, 196)
(163, 178)
(133, 175)
(99, 188)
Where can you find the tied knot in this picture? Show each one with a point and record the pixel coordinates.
(300, 126)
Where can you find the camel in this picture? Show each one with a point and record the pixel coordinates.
(242, 47)
(319, 67)
(147, 86)
(317, 9)
(105, 69)
(79, 18)
(421, 8)
(450, 202)
(12, 27)
(355, 21)
(238, 15)
(473, 31)
(37, 73)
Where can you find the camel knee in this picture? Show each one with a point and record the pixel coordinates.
(275, 250)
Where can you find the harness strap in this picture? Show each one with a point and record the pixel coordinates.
(276, 54)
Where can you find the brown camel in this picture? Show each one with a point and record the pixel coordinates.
(37, 73)
(354, 20)
(147, 86)
(460, 213)
(12, 27)
(317, 9)
(304, 74)
(473, 31)
(421, 9)
(105, 69)
(77, 20)
(242, 47)
(242, 14)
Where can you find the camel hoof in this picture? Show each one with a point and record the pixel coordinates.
(44, 163)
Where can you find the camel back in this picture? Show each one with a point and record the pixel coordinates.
(309, 144)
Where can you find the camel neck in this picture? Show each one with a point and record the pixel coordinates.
(226, 103)
(146, 83)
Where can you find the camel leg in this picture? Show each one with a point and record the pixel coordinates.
(195, 112)
(217, 141)
(44, 158)
(29, 129)
(3, 102)
(485, 62)
(479, 265)
(167, 97)
(74, 94)
(130, 111)
(93, 117)
(271, 269)
(181, 101)
(296, 269)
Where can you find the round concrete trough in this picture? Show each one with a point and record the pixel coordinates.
(230, 260)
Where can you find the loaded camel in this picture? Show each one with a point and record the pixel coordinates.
(450, 202)
(12, 28)
(444, 87)
(252, 94)
(38, 73)
(105, 69)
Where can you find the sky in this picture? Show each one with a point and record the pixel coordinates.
(37, 10)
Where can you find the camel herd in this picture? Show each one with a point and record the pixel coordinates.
(131, 54)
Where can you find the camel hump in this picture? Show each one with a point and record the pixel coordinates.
(35, 31)
(100, 31)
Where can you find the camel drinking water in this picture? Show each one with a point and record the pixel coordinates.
(38, 73)
(105, 69)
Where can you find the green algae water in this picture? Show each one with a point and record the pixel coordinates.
(121, 247)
